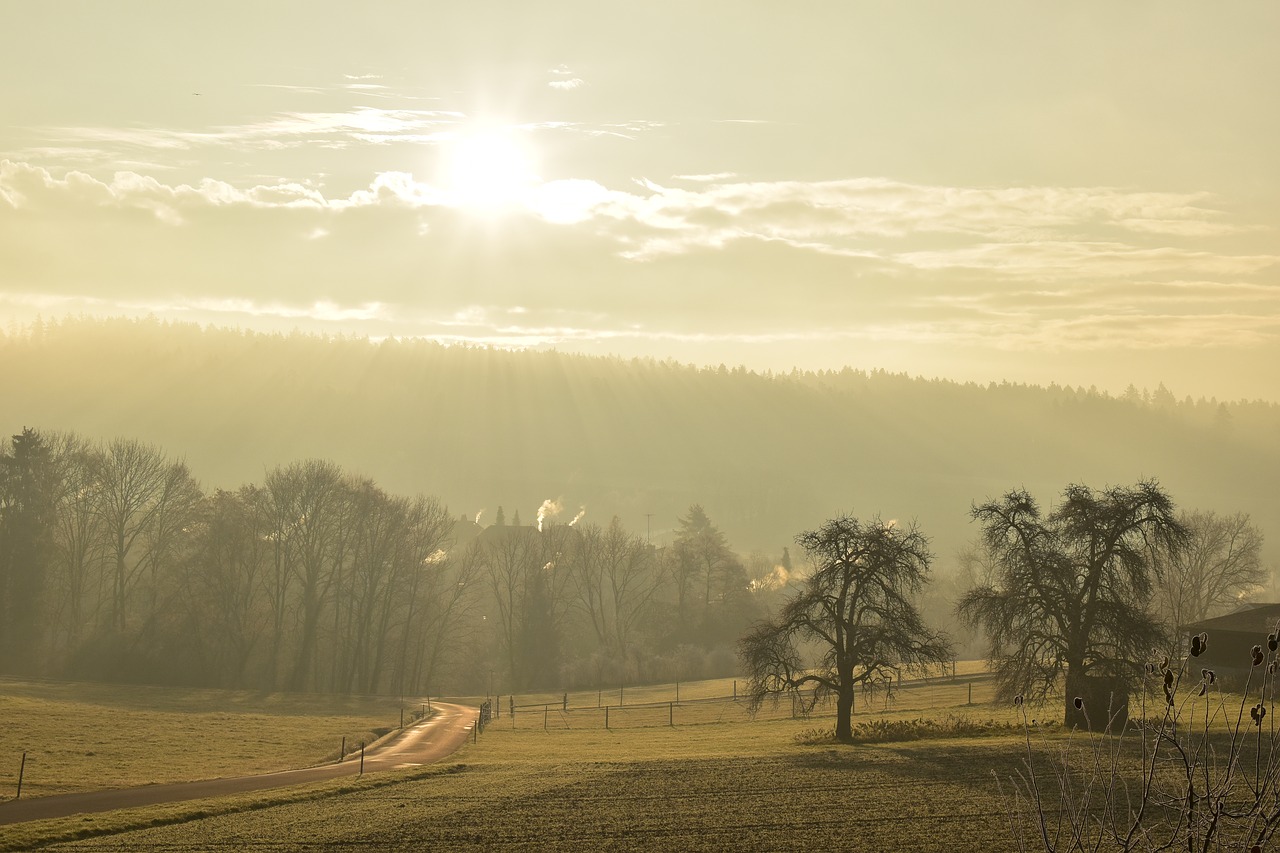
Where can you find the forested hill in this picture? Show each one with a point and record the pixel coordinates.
(766, 455)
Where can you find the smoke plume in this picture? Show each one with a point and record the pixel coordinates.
(549, 509)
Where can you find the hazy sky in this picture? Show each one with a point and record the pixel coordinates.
(1086, 193)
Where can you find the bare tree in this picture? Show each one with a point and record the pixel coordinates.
(857, 606)
(444, 591)
(176, 505)
(1071, 594)
(131, 480)
(439, 587)
(632, 573)
(509, 555)
(1218, 566)
(78, 541)
(587, 567)
(223, 595)
(311, 498)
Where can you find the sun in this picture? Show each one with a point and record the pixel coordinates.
(488, 168)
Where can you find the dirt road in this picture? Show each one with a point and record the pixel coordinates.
(423, 743)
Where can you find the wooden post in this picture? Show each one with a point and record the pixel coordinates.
(620, 702)
(361, 758)
(343, 753)
(22, 769)
(475, 730)
(671, 714)
(735, 690)
(424, 711)
(428, 703)
(402, 716)
(606, 716)
(970, 693)
(544, 718)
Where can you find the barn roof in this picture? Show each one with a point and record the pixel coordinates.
(1260, 619)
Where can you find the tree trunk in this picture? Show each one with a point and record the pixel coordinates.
(844, 713)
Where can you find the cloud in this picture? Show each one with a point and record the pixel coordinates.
(707, 178)
(709, 266)
(283, 130)
(566, 85)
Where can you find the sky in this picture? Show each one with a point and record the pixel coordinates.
(1083, 193)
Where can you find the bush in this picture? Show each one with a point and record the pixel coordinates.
(886, 731)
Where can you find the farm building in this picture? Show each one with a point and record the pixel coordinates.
(1232, 638)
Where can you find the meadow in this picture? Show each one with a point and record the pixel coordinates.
(708, 787)
(87, 736)
(717, 779)
(933, 772)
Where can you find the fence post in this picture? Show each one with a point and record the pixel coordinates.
(606, 716)
(735, 690)
(970, 693)
(22, 769)
(361, 758)
(402, 716)
(544, 718)
(343, 753)
(671, 714)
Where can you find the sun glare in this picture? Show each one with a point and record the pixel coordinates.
(488, 169)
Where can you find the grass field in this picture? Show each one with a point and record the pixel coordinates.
(738, 786)
(724, 781)
(717, 779)
(81, 737)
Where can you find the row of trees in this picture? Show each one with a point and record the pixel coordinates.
(1067, 596)
(115, 563)
(576, 604)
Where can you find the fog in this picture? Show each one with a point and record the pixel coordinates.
(342, 514)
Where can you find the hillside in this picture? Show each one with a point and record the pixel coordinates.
(767, 455)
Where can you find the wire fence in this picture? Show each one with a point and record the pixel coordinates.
(914, 695)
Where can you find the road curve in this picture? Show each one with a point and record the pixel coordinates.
(422, 743)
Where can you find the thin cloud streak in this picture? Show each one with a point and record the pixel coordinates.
(940, 265)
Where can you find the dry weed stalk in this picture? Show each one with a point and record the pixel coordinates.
(1190, 773)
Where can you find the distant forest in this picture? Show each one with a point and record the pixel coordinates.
(760, 457)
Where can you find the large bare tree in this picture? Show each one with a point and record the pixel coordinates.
(1218, 566)
(857, 605)
(1072, 589)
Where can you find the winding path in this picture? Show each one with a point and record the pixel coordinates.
(425, 742)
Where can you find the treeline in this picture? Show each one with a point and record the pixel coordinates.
(765, 454)
(116, 564)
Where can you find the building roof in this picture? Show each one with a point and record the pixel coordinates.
(1260, 619)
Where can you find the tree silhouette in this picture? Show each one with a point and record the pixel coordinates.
(1071, 590)
(857, 607)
